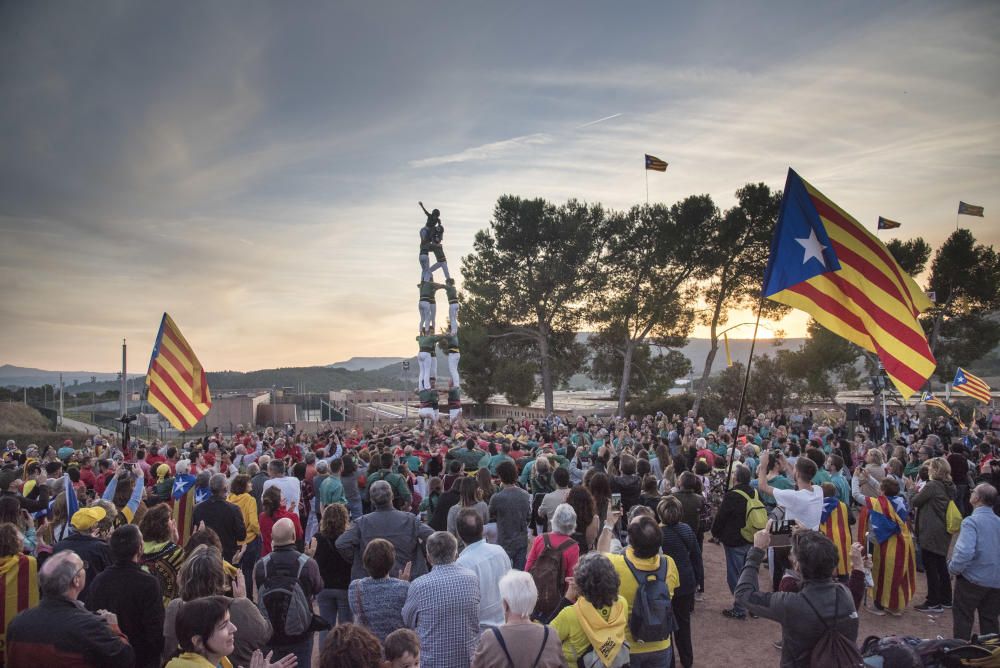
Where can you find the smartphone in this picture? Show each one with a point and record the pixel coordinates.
(781, 533)
(616, 501)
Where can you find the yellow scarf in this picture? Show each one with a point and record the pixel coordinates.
(604, 628)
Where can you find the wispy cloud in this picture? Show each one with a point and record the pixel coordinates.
(486, 151)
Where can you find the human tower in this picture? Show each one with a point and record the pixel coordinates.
(428, 341)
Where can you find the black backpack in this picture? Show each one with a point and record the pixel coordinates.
(550, 576)
(833, 649)
(652, 616)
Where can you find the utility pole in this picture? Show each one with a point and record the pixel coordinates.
(61, 392)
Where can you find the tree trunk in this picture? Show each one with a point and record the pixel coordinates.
(626, 376)
(543, 349)
(710, 358)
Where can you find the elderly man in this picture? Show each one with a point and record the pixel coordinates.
(222, 517)
(401, 529)
(60, 631)
(974, 565)
(820, 597)
(488, 562)
(443, 607)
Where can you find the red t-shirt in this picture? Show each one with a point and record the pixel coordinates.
(267, 523)
(570, 556)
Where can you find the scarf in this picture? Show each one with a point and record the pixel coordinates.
(606, 635)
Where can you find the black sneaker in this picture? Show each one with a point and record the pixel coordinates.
(734, 614)
(946, 606)
(930, 609)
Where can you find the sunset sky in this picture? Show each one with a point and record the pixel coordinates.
(254, 168)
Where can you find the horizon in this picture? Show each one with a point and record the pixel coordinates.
(256, 174)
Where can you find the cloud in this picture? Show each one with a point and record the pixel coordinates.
(486, 151)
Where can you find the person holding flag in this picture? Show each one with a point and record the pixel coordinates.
(183, 500)
(882, 528)
(834, 523)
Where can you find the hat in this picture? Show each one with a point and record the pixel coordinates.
(6, 479)
(85, 518)
(68, 442)
(161, 471)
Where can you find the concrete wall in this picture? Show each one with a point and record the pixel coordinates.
(227, 412)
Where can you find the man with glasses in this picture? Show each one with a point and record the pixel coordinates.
(60, 631)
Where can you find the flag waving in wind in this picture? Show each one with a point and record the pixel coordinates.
(970, 210)
(176, 380)
(655, 164)
(827, 264)
(931, 400)
(974, 386)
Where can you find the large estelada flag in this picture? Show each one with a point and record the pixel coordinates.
(176, 380)
(882, 527)
(835, 524)
(183, 496)
(974, 386)
(19, 574)
(827, 264)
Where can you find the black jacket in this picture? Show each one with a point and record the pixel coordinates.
(133, 595)
(225, 519)
(94, 551)
(732, 516)
(60, 632)
(32, 505)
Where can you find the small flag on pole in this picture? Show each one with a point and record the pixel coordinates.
(931, 400)
(965, 209)
(974, 386)
(176, 381)
(655, 164)
(886, 224)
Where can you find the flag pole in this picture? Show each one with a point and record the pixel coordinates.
(647, 185)
(743, 395)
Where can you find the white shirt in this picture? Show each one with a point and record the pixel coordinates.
(802, 505)
(489, 563)
(290, 490)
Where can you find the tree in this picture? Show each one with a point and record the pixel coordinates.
(528, 277)
(965, 277)
(736, 268)
(477, 362)
(654, 254)
(825, 363)
(654, 369)
(912, 254)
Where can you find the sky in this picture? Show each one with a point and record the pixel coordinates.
(254, 168)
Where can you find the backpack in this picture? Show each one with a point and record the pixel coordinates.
(756, 515)
(283, 602)
(503, 645)
(953, 518)
(651, 618)
(833, 649)
(549, 575)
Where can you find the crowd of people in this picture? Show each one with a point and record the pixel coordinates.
(539, 543)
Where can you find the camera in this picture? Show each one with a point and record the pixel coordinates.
(781, 532)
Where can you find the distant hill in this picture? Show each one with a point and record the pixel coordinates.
(369, 363)
(20, 376)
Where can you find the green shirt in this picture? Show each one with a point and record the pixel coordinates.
(332, 491)
(452, 293)
(427, 343)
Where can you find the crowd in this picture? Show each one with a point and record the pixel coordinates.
(537, 543)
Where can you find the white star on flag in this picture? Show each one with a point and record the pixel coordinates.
(813, 248)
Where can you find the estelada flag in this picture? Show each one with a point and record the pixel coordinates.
(972, 385)
(176, 380)
(836, 526)
(19, 575)
(827, 264)
(655, 164)
(886, 224)
(883, 530)
(970, 210)
(184, 503)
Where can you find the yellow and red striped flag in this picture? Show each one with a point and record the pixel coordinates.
(19, 580)
(827, 264)
(974, 386)
(176, 381)
(835, 524)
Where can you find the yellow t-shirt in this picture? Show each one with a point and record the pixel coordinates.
(574, 639)
(629, 586)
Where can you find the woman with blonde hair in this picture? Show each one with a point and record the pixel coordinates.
(202, 576)
(931, 505)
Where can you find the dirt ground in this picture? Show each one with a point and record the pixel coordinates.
(720, 641)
